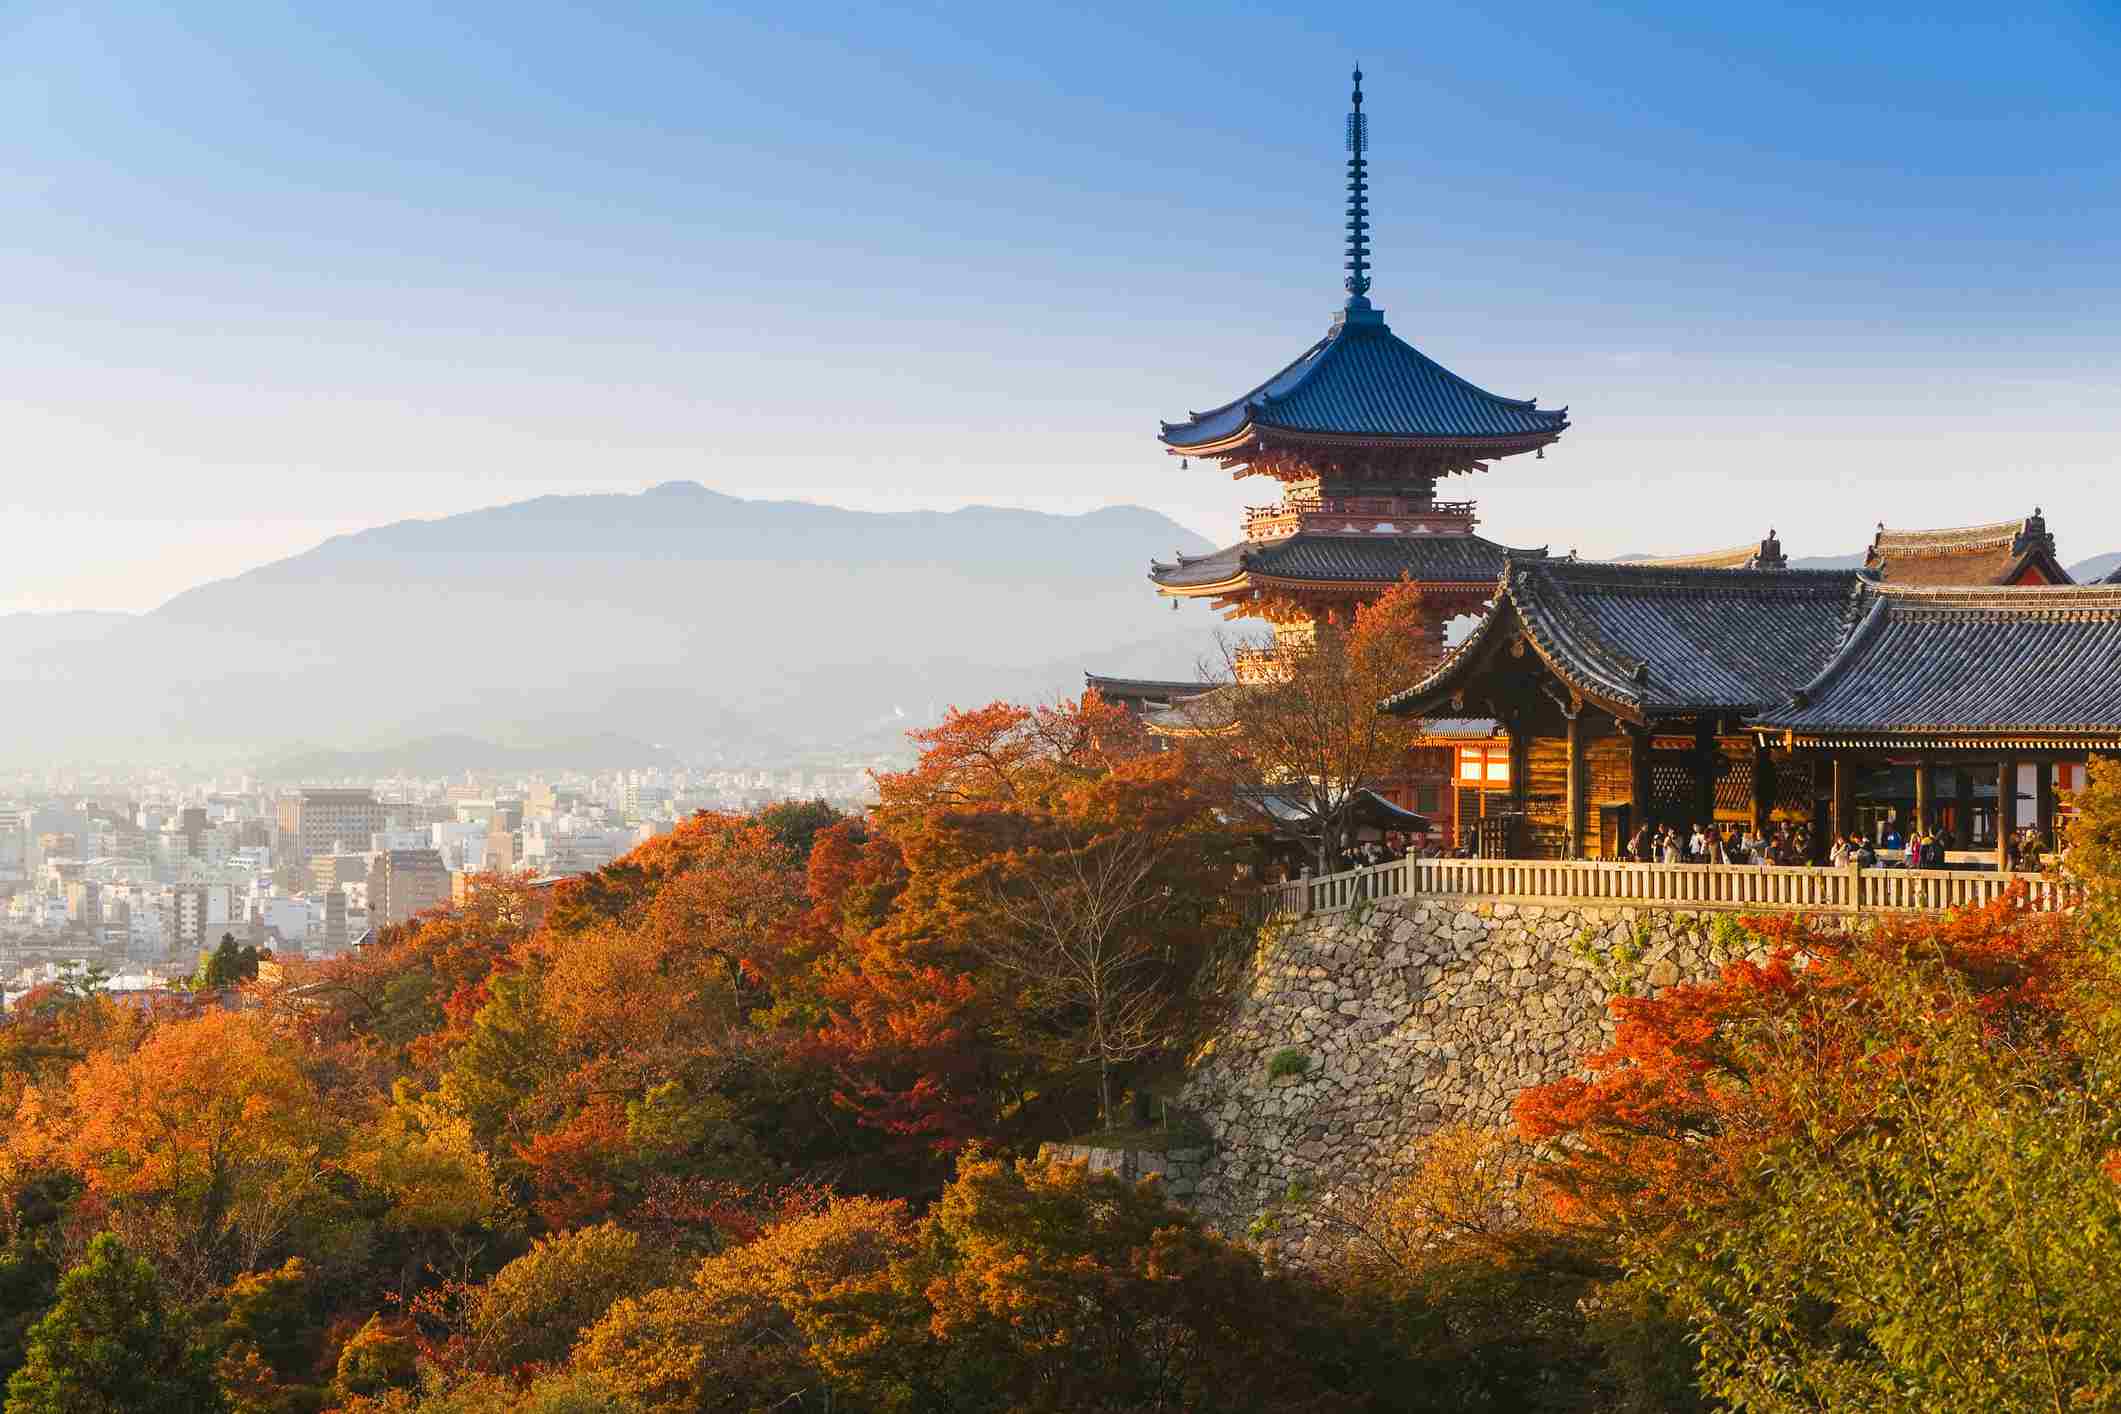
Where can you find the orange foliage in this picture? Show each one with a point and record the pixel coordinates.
(1669, 1117)
(199, 1146)
(932, 1040)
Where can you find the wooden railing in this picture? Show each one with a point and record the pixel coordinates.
(1692, 886)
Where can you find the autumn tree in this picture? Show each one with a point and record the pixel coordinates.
(1063, 886)
(1860, 1168)
(1305, 728)
(533, 1309)
(779, 1323)
(2093, 850)
(1108, 917)
(113, 1344)
(204, 1146)
(1952, 1242)
(619, 1040)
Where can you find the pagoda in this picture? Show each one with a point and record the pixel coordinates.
(1358, 431)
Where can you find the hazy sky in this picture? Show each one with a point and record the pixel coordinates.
(275, 271)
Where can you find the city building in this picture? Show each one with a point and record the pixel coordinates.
(403, 882)
(320, 820)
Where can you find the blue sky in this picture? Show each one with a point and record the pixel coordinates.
(276, 272)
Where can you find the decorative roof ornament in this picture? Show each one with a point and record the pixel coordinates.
(1358, 261)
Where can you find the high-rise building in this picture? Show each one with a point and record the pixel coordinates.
(402, 882)
(335, 921)
(199, 914)
(318, 820)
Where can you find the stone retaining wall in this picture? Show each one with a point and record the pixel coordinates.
(1410, 1014)
(1179, 1168)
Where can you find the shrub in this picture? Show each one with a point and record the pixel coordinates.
(1288, 1061)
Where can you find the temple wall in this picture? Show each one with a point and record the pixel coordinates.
(1411, 1015)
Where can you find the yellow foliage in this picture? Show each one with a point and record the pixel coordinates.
(1462, 1198)
(760, 1324)
(424, 1156)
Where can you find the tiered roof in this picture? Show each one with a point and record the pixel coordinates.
(2001, 552)
(1142, 694)
(1362, 385)
(1320, 560)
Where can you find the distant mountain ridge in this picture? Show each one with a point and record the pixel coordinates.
(2096, 568)
(676, 615)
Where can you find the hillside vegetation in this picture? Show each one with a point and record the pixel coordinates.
(746, 1121)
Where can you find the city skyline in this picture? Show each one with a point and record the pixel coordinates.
(290, 277)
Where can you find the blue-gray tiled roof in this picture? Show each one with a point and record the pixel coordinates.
(1362, 380)
(1659, 641)
(1430, 559)
(2039, 663)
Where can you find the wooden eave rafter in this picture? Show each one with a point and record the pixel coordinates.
(1941, 739)
(1246, 580)
(1505, 631)
(1253, 435)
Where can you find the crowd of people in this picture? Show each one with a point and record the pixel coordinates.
(1719, 844)
(1784, 844)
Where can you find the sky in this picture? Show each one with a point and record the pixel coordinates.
(277, 272)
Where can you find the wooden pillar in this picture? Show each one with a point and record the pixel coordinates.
(1763, 788)
(1575, 785)
(1639, 800)
(1925, 801)
(1706, 758)
(2006, 810)
(2044, 799)
(1842, 817)
(1520, 766)
(1963, 809)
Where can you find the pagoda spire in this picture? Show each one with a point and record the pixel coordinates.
(1358, 262)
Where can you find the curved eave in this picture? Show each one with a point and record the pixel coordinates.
(1936, 738)
(1239, 583)
(1612, 689)
(1254, 434)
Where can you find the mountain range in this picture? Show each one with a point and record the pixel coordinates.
(607, 630)
(678, 616)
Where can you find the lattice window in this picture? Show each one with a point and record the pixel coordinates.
(1796, 788)
(1734, 789)
(1672, 782)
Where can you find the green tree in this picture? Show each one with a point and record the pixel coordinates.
(111, 1342)
(226, 965)
(29, 1281)
(794, 824)
(1952, 1245)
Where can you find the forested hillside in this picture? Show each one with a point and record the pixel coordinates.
(746, 1121)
